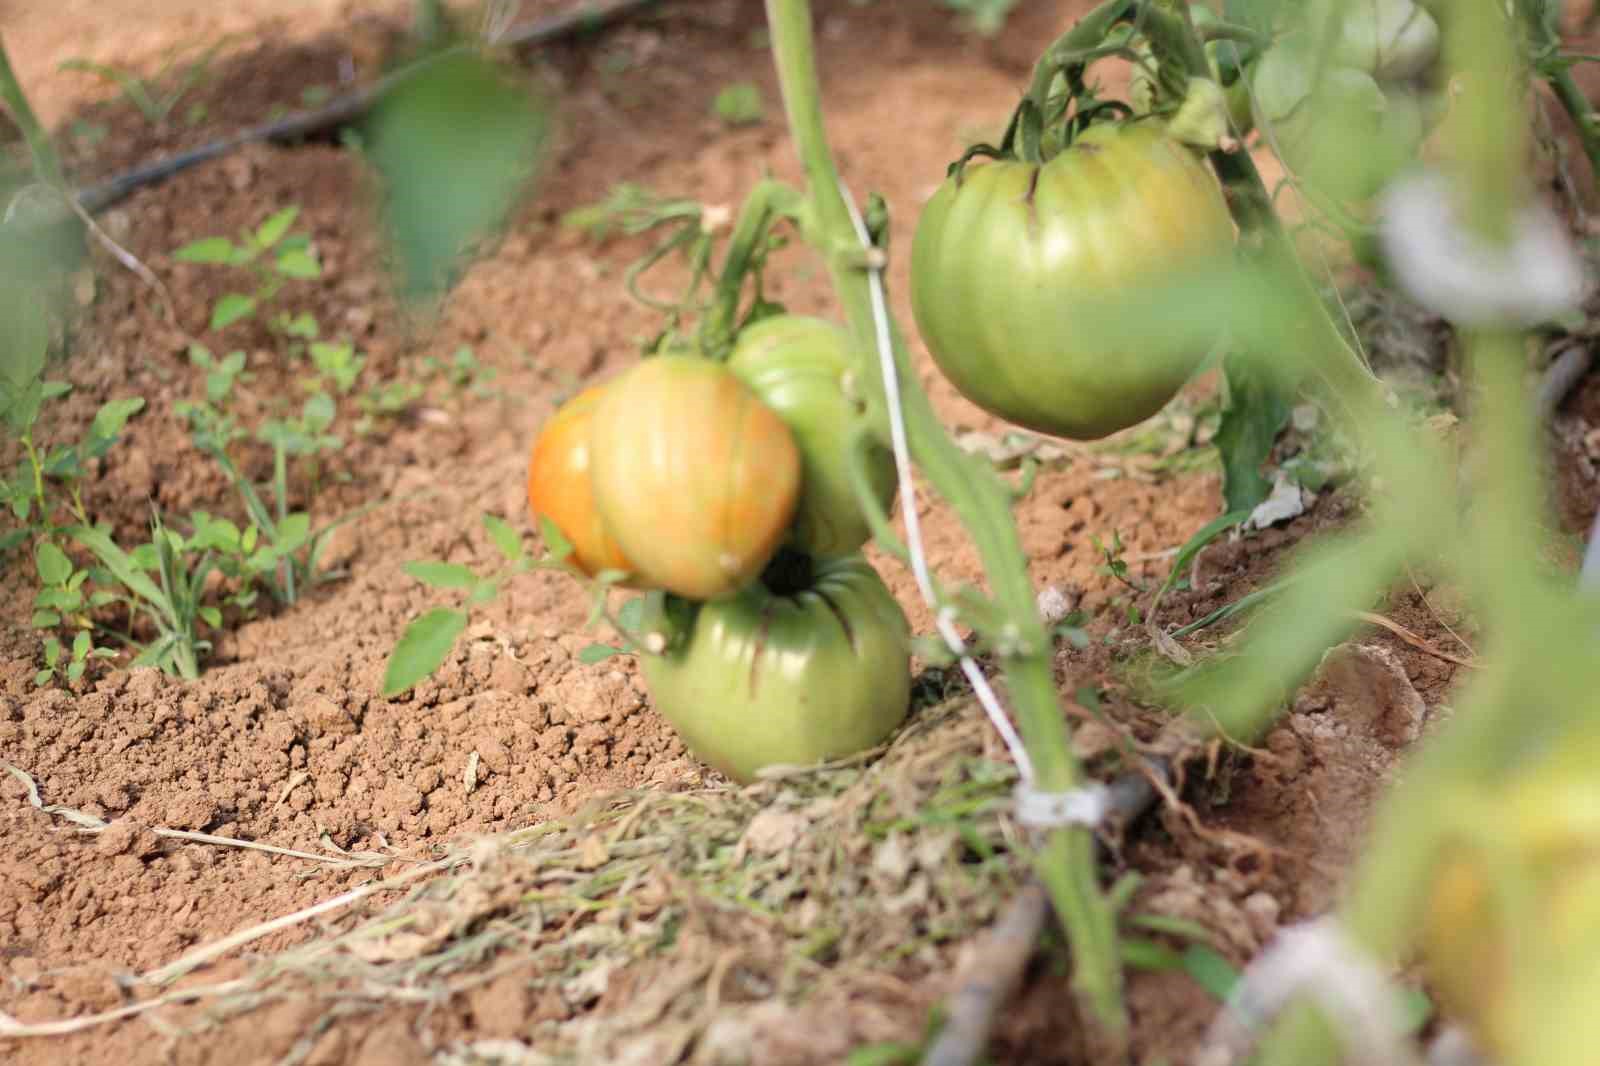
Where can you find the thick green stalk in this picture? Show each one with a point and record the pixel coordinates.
(46, 164)
(1067, 862)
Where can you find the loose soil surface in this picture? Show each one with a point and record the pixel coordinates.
(286, 741)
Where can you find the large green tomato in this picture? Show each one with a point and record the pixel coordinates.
(799, 366)
(1345, 134)
(769, 679)
(1002, 251)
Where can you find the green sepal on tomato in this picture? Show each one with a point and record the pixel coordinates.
(801, 368)
(787, 676)
(1005, 249)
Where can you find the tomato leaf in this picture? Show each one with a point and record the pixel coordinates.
(422, 648)
(598, 653)
(454, 146)
(441, 575)
(1256, 413)
(554, 540)
(505, 538)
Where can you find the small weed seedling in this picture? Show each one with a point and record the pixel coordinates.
(739, 105)
(273, 255)
(152, 100)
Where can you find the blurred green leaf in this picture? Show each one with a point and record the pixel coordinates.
(454, 146)
(299, 264)
(272, 230)
(1256, 413)
(207, 250)
(505, 538)
(231, 308)
(53, 565)
(441, 575)
(422, 647)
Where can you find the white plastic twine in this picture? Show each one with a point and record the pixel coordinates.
(1086, 806)
(1316, 958)
(1451, 270)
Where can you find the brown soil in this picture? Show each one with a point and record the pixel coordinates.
(285, 740)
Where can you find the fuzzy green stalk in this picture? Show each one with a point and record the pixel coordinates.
(46, 163)
(1497, 559)
(1066, 862)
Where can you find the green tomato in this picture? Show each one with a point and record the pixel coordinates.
(768, 678)
(1004, 251)
(1392, 40)
(1343, 135)
(800, 367)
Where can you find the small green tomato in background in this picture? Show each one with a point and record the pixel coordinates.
(787, 677)
(1004, 250)
(799, 366)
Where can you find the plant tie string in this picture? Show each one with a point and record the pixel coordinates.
(1085, 806)
(1315, 957)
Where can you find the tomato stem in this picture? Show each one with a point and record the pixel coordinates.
(1066, 863)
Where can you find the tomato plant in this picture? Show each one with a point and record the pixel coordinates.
(1002, 245)
(779, 676)
(695, 477)
(801, 368)
(1369, 89)
(560, 489)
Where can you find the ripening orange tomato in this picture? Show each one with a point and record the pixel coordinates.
(559, 485)
(694, 476)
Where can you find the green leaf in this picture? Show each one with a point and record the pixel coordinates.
(441, 575)
(505, 538)
(485, 591)
(298, 264)
(1148, 955)
(598, 653)
(211, 616)
(554, 540)
(42, 678)
(292, 533)
(81, 645)
(75, 669)
(422, 648)
(1210, 971)
(45, 620)
(1256, 413)
(52, 563)
(58, 599)
(12, 540)
(119, 563)
(52, 390)
(52, 651)
(630, 616)
(1195, 544)
(113, 415)
(231, 308)
(304, 325)
(318, 412)
(454, 147)
(206, 250)
(272, 230)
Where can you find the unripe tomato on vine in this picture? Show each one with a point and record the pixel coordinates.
(1007, 247)
(694, 477)
(560, 491)
(801, 367)
(809, 664)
